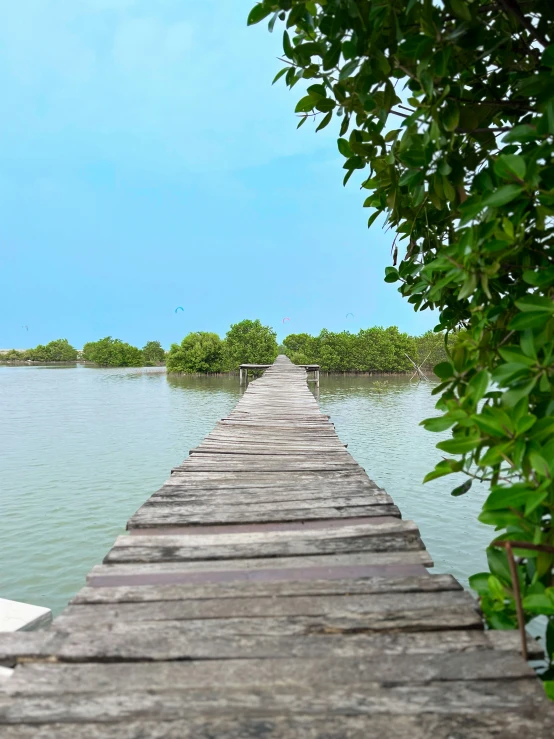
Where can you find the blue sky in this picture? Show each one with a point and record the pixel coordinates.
(148, 163)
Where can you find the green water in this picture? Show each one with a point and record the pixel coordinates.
(81, 449)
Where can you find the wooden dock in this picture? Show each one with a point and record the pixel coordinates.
(270, 589)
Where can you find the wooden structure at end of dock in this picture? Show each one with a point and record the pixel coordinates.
(244, 369)
(270, 590)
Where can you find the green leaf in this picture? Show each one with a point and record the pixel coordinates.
(539, 464)
(287, 46)
(536, 303)
(304, 105)
(279, 74)
(446, 467)
(325, 120)
(444, 370)
(515, 354)
(478, 384)
(460, 9)
(450, 116)
(510, 166)
(461, 489)
(512, 497)
(522, 321)
(257, 14)
(344, 148)
(502, 196)
(372, 218)
(521, 133)
(317, 90)
(325, 105)
(348, 69)
(438, 423)
(515, 394)
(539, 604)
(461, 445)
(496, 588)
(498, 565)
(548, 686)
(480, 583)
(271, 24)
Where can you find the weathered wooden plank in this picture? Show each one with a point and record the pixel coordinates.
(245, 478)
(489, 725)
(142, 642)
(266, 499)
(401, 536)
(48, 678)
(251, 590)
(471, 697)
(319, 563)
(248, 528)
(390, 610)
(172, 514)
(260, 450)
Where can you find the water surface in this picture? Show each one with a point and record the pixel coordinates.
(82, 448)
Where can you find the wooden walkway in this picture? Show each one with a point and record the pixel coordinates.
(270, 589)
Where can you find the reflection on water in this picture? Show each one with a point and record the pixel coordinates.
(82, 448)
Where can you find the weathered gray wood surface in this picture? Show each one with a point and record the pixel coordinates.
(270, 589)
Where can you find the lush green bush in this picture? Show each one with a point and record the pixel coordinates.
(153, 354)
(200, 351)
(110, 352)
(248, 342)
(450, 106)
(13, 354)
(59, 350)
(371, 350)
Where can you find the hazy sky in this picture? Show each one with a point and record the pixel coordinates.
(148, 163)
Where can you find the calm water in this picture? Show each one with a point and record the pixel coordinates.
(81, 449)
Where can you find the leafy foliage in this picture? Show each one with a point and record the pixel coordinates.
(153, 353)
(59, 350)
(447, 110)
(371, 350)
(200, 351)
(248, 342)
(110, 352)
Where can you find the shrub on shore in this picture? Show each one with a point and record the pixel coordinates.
(59, 350)
(110, 352)
(200, 351)
(153, 354)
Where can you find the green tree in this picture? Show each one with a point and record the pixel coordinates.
(447, 111)
(59, 350)
(248, 342)
(301, 348)
(336, 351)
(200, 351)
(110, 352)
(153, 353)
(12, 354)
